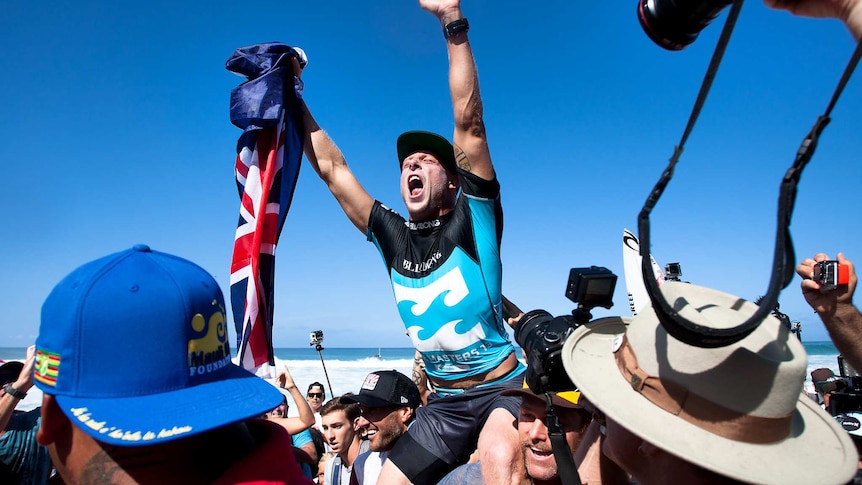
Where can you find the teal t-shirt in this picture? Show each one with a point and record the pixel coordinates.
(300, 439)
(28, 461)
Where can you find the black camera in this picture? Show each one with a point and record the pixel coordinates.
(846, 395)
(672, 271)
(674, 24)
(845, 391)
(542, 335)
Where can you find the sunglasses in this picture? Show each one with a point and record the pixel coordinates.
(318, 395)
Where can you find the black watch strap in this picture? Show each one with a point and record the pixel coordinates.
(455, 27)
(8, 389)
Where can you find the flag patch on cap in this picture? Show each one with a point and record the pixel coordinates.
(47, 367)
(370, 382)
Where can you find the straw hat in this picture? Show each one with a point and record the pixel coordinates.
(743, 413)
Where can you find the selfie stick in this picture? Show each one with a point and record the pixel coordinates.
(319, 349)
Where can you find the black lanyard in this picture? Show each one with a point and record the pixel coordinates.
(784, 257)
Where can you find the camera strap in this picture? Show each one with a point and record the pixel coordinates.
(566, 467)
(784, 256)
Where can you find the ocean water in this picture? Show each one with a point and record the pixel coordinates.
(343, 370)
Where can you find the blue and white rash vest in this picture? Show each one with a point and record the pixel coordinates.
(446, 277)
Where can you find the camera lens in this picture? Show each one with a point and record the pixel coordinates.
(675, 24)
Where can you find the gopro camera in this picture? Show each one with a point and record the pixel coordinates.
(591, 287)
(672, 271)
(315, 338)
(831, 274)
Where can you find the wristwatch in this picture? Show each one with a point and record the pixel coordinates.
(455, 26)
(8, 389)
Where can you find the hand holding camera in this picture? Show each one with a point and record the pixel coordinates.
(827, 282)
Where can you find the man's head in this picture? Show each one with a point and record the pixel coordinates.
(338, 419)
(280, 411)
(388, 400)
(133, 351)
(429, 181)
(536, 449)
(315, 396)
(687, 407)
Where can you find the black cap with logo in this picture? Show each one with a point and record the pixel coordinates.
(386, 388)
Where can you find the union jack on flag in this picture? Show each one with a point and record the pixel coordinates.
(269, 154)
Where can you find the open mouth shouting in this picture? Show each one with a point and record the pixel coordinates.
(415, 186)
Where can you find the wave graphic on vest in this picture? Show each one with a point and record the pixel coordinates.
(431, 315)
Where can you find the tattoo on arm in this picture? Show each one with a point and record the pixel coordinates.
(461, 159)
(418, 372)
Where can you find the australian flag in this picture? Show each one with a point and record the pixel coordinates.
(269, 153)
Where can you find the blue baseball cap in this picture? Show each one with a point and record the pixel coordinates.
(134, 348)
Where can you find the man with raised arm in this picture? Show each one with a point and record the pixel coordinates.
(835, 307)
(444, 264)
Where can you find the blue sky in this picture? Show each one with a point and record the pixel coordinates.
(116, 132)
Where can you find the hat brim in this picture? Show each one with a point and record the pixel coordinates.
(370, 401)
(555, 399)
(815, 436)
(157, 418)
(414, 141)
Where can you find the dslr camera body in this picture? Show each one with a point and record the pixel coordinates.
(542, 335)
(844, 390)
(846, 395)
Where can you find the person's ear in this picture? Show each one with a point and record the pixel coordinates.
(54, 424)
(406, 414)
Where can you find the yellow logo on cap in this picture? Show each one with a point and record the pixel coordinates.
(211, 351)
(571, 396)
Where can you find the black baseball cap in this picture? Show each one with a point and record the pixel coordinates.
(386, 388)
(414, 141)
(565, 399)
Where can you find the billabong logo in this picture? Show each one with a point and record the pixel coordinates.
(451, 285)
(47, 367)
(211, 351)
(447, 337)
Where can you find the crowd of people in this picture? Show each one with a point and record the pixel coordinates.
(643, 407)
